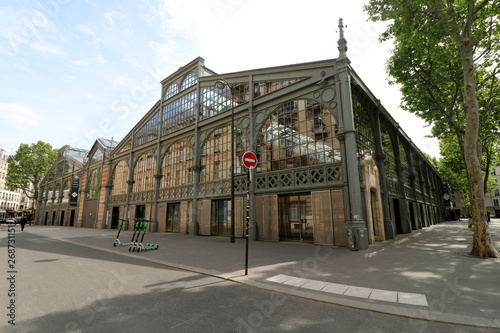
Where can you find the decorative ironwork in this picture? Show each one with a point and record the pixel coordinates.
(307, 177)
(177, 192)
(118, 199)
(145, 196)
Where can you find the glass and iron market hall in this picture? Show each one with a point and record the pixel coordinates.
(334, 168)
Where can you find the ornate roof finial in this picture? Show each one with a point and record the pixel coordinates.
(341, 27)
(342, 41)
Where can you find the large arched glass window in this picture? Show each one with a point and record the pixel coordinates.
(50, 193)
(179, 113)
(144, 172)
(365, 140)
(190, 80)
(172, 90)
(120, 177)
(66, 188)
(404, 164)
(149, 131)
(177, 165)
(57, 191)
(216, 154)
(299, 133)
(94, 182)
(390, 161)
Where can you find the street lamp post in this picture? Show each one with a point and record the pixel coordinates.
(221, 84)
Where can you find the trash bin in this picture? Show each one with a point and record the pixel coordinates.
(360, 239)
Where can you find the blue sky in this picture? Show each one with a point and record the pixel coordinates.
(73, 71)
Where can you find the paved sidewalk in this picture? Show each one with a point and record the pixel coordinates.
(426, 274)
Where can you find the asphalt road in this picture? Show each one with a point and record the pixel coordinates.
(63, 287)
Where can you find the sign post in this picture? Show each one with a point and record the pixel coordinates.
(250, 161)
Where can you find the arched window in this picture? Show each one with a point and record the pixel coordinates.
(390, 161)
(216, 154)
(172, 90)
(144, 172)
(190, 80)
(120, 177)
(299, 133)
(93, 185)
(50, 193)
(177, 165)
(365, 140)
(66, 188)
(57, 191)
(404, 164)
(149, 131)
(179, 113)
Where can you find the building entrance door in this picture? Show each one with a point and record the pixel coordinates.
(72, 218)
(173, 217)
(115, 215)
(295, 218)
(218, 218)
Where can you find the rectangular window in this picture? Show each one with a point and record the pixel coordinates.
(495, 202)
(497, 193)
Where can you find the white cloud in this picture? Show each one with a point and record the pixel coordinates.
(101, 60)
(110, 17)
(48, 49)
(86, 30)
(19, 116)
(77, 62)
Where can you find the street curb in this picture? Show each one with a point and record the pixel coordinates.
(415, 312)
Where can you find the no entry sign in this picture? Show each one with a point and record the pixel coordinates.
(249, 160)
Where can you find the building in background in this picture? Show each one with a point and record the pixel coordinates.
(334, 167)
(492, 199)
(10, 201)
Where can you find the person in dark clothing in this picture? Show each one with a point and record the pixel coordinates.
(23, 222)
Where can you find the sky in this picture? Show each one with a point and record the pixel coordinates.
(73, 71)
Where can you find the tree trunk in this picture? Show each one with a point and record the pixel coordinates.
(482, 244)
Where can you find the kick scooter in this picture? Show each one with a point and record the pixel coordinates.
(117, 241)
(133, 244)
(137, 231)
(148, 245)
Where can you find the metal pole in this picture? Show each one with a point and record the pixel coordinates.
(221, 84)
(232, 166)
(247, 220)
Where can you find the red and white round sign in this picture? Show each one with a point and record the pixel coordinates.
(249, 159)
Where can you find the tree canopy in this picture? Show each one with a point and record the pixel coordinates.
(446, 59)
(28, 167)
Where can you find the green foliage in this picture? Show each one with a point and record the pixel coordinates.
(427, 62)
(28, 167)
(446, 58)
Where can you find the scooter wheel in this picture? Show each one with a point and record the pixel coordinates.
(138, 250)
(114, 244)
(129, 249)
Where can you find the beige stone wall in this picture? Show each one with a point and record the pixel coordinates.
(373, 201)
(267, 217)
(204, 213)
(322, 218)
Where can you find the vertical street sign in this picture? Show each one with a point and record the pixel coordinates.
(250, 161)
(75, 185)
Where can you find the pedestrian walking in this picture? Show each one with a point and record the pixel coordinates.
(23, 222)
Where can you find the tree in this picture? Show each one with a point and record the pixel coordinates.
(451, 166)
(28, 167)
(446, 56)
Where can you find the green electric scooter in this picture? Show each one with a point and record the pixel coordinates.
(135, 236)
(148, 246)
(117, 241)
